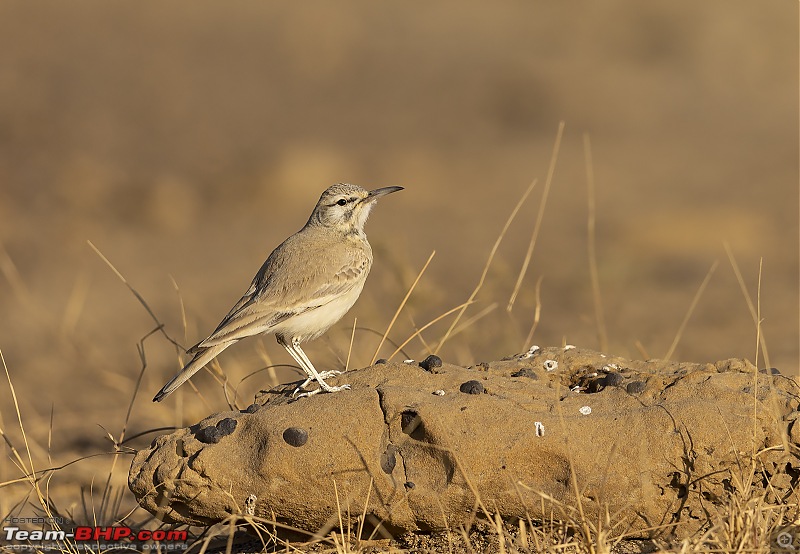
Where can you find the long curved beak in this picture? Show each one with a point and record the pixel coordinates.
(377, 193)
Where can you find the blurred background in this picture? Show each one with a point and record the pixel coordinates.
(187, 140)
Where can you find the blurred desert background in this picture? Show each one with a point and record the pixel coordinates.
(187, 140)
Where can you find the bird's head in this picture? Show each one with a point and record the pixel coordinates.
(346, 207)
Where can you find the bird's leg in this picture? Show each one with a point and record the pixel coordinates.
(300, 357)
(299, 360)
(318, 377)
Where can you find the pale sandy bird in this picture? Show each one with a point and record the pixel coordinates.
(306, 285)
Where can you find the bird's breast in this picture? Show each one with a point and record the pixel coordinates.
(313, 323)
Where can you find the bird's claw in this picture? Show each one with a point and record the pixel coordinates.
(322, 388)
(331, 373)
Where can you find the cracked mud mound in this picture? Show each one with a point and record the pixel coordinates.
(654, 441)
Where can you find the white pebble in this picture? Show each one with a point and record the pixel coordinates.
(569, 347)
(250, 505)
(531, 351)
(586, 410)
(439, 392)
(408, 361)
(539, 428)
(550, 365)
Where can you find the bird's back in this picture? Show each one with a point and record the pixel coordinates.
(311, 270)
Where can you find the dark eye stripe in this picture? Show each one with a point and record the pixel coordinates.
(344, 201)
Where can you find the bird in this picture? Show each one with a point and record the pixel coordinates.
(306, 285)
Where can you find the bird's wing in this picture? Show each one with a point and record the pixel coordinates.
(290, 282)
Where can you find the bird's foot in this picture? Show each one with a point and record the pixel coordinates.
(331, 373)
(324, 387)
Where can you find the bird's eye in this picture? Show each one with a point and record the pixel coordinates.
(342, 202)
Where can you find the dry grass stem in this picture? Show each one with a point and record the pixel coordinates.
(75, 304)
(641, 349)
(136, 294)
(487, 265)
(689, 312)
(425, 346)
(11, 273)
(350, 347)
(474, 319)
(599, 314)
(421, 329)
(29, 471)
(754, 313)
(537, 313)
(539, 217)
(400, 308)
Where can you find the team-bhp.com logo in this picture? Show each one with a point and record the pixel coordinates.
(107, 534)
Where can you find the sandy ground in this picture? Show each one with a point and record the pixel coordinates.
(186, 142)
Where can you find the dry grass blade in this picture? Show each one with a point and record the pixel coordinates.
(29, 471)
(431, 322)
(363, 517)
(400, 308)
(9, 270)
(539, 217)
(136, 294)
(537, 313)
(759, 320)
(350, 348)
(474, 319)
(425, 346)
(118, 442)
(488, 264)
(75, 304)
(599, 313)
(689, 312)
(184, 321)
(641, 349)
(754, 313)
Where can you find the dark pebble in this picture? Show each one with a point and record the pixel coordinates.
(595, 385)
(770, 371)
(430, 363)
(252, 408)
(472, 387)
(226, 426)
(381, 361)
(635, 387)
(388, 460)
(295, 436)
(409, 485)
(525, 372)
(209, 435)
(613, 379)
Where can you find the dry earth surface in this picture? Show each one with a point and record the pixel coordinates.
(425, 446)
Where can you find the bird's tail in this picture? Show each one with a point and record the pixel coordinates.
(201, 358)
